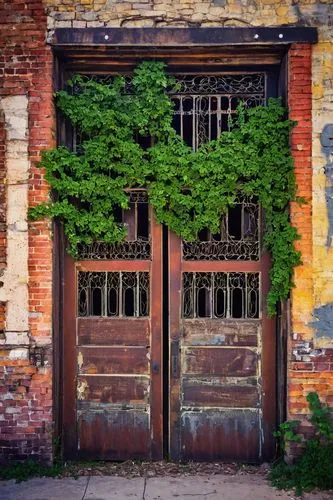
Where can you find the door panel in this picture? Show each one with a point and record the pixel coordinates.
(222, 367)
(114, 434)
(112, 348)
(227, 434)
(113, 331)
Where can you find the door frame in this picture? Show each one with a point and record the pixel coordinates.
(228, 48)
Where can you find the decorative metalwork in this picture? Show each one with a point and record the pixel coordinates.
(127, 250)
(204, 104)
(238, 239)
(37, 356)
(138, 196)
(203, 108)
(221, 295)
(233, 84)
(137, 245)
(113, 294)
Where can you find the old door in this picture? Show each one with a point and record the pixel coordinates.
(222, 345)
(112, 344)
(202, 303)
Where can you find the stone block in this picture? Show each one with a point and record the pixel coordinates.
(17, 170)
(17, 338)
(16, 116)
(87, 16)
(64, 16)
(79, 24)
(63, 24)
(19, 354)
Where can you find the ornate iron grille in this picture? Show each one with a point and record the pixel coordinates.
(221, 295)
(203, 107)
(238, 239)
(137, 244)
(113, 294)
(204, 104)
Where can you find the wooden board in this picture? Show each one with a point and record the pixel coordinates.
(218, 392)
(218, 332)
(113, 331)
(220, 361)
(113, 360)
(129, 391)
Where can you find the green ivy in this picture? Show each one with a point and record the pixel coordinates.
(314, 468)
(188, 190)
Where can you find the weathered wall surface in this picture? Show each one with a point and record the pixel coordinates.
(25, 256)
(25, 62)
(208, 13)
(311, 96)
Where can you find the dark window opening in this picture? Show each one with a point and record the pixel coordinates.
(237, 300)
(235, 222)
(96, 302)
(113, 302)
(203, 303)
(129, 302)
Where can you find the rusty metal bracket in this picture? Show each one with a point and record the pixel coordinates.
(37, 356)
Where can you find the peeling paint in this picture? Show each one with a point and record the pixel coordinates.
(82, 390)
(323, 323)
(326, 140)
(80, 361)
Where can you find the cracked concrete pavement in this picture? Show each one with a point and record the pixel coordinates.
(215, 487)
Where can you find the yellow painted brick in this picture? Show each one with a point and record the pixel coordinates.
(282, 11)
(66, 8)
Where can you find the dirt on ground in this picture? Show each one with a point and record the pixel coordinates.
(132, 469)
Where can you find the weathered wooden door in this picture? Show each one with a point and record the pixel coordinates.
(112, 344)
(222, 349)
(222, 345)
(198, 306)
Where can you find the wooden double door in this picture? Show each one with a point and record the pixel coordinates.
(167, 347)
(166, 344)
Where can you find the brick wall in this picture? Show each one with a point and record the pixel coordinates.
(310, 368)
(25, 387)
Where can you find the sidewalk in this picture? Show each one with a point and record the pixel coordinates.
(215, 487)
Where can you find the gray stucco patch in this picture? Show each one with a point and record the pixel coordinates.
(326, 140)
(323, 323)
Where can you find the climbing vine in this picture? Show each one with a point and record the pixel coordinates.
(189, 190)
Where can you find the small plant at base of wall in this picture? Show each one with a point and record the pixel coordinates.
(314, 468)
